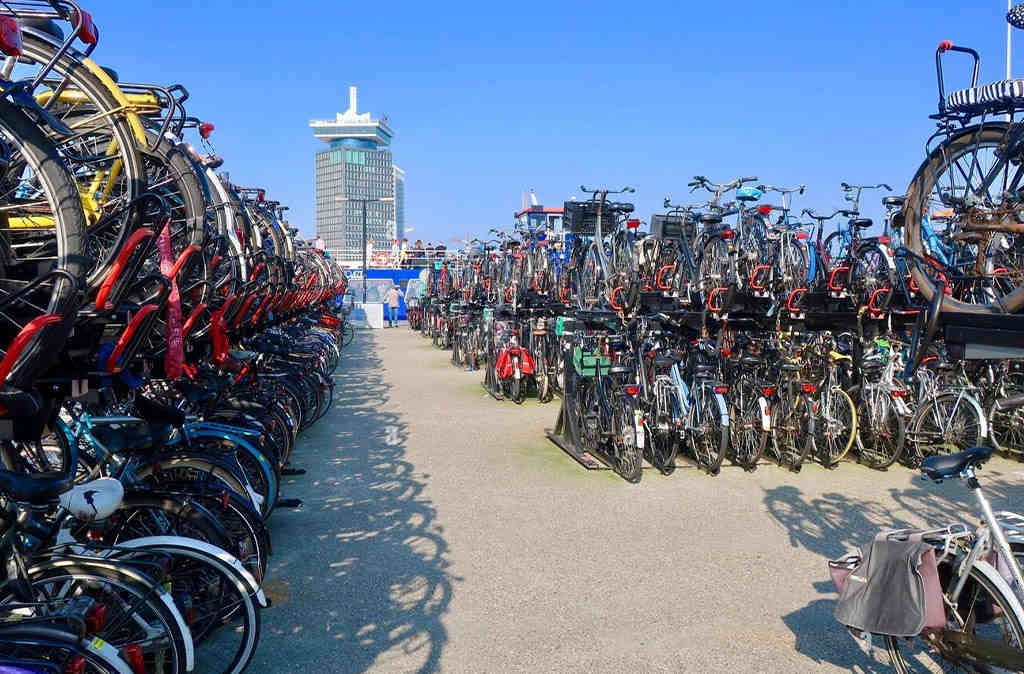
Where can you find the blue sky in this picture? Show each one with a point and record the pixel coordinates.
(490, 99)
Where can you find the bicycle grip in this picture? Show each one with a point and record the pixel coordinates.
(748, 180)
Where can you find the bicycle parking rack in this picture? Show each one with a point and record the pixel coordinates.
(565, 434)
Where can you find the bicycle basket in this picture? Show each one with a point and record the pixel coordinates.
(586, 362)
(580, 217)
(672, 227)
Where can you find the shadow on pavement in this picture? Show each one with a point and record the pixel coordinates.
(364, 562)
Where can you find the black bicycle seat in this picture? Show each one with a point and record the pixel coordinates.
(37, 489)
(861, 223)
(789, 367)
(711, 219)
(892, 201)
(122, 435)
(751, 361)
(704, 371)
(157, 413)
(945, 466)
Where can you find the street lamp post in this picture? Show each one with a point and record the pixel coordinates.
(364, 202)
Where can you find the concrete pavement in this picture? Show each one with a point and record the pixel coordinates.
(442, 531)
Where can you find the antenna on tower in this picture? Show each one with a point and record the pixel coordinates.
(533, 198)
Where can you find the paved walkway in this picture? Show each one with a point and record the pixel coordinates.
(442, 532)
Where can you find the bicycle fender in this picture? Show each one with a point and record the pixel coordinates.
(99, 562)
(766, 414)
(108, 653)
(245, 579)
(723, 410)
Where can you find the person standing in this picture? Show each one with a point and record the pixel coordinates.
(391, 298)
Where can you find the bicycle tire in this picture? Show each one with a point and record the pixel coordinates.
(708, 441)
(61, 194)
(747, 435)
(90, 576)
(628, 456)
(89, 79)
(886, 425)
(830, 452)
(914, 208)
(217, 614)
(953, 423)
(981, 577)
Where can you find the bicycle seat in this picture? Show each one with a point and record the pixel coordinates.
(122, 435)
(993, 97)
(705, 372)
(711, 219)
(790, 367)
(664, 361)
(751, 362)
(871, 366)
(945, 466)
(37, 489)
(158, 414)
(861, 223)
(892, 201)
(619, 369)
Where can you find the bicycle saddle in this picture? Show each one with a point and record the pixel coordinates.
(892, 201)
(945, 466)
(789, 367)
(861, 223)
(704, 372)
(711, 219)
(664, 361)
(122, 435)
(751, 362)
(158, 414)
(37, 489)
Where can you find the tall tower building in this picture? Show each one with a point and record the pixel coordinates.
(357, 165)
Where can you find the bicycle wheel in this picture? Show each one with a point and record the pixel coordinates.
(792, 265)
(517, 389)
(223, 617)
(982, 611)
(136, 615)
(953, 174)
(880, 428)
(747, 436)
(705, 434)
(945, 425)
(1006, 425)
(713, 269)
(32, 647)
(835, 427)
(43, 230)
(662, 432)
(837, 250)
(870, 274)
(544, 394)
(791, 426)
(627, 453)
(103, 152)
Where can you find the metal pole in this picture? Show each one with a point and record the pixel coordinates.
(364, 250)
(1009, 49)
